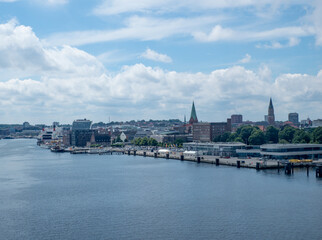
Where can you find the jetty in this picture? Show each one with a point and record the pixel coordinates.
(255, 163)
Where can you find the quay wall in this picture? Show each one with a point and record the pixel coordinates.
(233, 161)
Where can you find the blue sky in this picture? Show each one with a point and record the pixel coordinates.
(149, 59)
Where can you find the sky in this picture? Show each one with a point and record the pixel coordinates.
(120, 60)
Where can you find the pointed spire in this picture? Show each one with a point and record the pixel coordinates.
(193, 117)
(270, 103)
(271, 115)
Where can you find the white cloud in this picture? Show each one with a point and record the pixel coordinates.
(146, 29)
(246, 59)
(219, 33)
(153, 55)
(23, 55)
(56, 2)
(138, 28)
(112, 7)
(316, 19)
(141, 92)
(51, 2)
(277, 45)
(67, 83)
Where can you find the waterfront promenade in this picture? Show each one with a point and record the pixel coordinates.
(232, 161)
(255, 163)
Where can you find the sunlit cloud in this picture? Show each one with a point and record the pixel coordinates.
(154, 56)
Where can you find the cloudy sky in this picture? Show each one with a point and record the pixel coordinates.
(149, 59)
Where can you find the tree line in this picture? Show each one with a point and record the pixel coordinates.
(145, 141)
(252, 135)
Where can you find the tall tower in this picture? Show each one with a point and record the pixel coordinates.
(193, 117)
(271, 116)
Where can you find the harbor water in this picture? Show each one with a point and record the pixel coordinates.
(46, 195)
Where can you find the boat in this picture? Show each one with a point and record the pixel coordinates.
(57, 149)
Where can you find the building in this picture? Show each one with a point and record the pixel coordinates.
(206, 132)
(79, 138)
(81, 124)
(236, 119)
(294, 118)
(317, 123)
(215, 149)
(306, 123)
(26, 125)
(271, 115)
(193, 116)
(291, 151)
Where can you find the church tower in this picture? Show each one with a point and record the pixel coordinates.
(193, 117)
(271, 116)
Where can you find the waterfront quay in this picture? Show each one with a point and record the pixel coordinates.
(255, 163)
(175, 154)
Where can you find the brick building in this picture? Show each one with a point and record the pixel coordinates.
(206, 132)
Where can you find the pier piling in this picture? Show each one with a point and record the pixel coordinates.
(155, 155)
(307, 170)
(318, 172)
(144, 154)
(257, 166)
(288, 168)
(217, 161)
(181, 157)
(238, 164)
(278, 166)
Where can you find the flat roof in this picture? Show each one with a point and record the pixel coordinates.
(289, 145)
(227, 144)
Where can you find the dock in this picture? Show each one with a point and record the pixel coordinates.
(231, 161)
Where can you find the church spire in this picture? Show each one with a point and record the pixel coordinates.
(193, 117)
(271, 115)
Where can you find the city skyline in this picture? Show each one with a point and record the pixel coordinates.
(62, 60)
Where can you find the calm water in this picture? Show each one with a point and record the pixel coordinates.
(46, 195)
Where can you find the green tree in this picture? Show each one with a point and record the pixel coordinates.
(245, 133)
(271, 134)
(232, 137)
(317, 135)
(152, 142)
(179, 142)
(257, 137)
(301, 136)
(287, 134)
(144, 141)
(239, 139)
(224, 137)
(137, 141)
(283, 141)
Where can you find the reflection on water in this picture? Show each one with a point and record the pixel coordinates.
(46, 195)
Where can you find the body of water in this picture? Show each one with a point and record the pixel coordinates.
(45, 195)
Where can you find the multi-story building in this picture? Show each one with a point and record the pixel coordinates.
(294, 118)
(236, 119)
(206, 132)
(215, 149)
(291, 151)
(79, 138)
(81, 124)
(317, 123)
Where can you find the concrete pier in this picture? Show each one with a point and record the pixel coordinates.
(233, 161)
